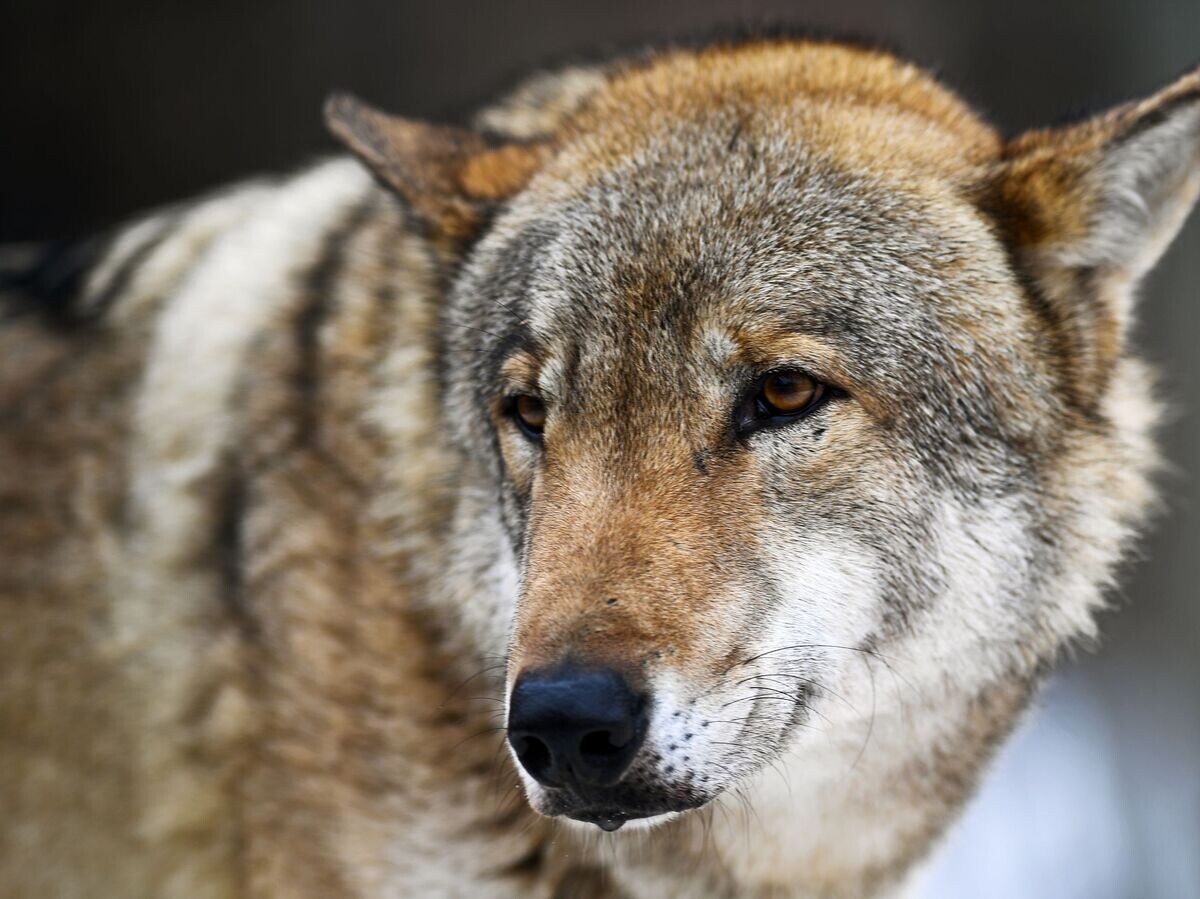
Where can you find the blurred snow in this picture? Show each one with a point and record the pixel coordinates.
(1096, 797)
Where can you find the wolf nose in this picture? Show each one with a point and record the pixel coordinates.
(569, 726)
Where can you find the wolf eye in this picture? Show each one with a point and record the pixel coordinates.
(529, 413)
(789, 392)
(781, 397)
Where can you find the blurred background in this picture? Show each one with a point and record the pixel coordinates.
(112, 107)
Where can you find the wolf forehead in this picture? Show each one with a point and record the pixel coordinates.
(787, 241)
(734, 218)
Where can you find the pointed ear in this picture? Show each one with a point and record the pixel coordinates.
(448, 176)
(1088, 209)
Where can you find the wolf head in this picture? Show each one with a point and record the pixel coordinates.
(774, 369)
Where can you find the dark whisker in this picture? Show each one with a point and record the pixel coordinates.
(484, 732)
(491, 334)
(478, 673)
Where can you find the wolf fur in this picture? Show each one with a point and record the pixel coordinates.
(274, 551)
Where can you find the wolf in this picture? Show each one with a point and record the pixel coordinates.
(675, 484)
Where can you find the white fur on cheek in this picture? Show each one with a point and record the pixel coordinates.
(982, 554)
(831, 594)
(830, 599)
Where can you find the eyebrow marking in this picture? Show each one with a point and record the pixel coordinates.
(516, 342)
(521, 369)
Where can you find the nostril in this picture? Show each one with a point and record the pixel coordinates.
(534, 756)
(600, 745)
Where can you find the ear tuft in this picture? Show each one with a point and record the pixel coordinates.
(448, 176)
(1088, 209)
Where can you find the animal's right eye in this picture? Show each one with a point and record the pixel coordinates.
(782, 397)
(529, 412)
(789, 392)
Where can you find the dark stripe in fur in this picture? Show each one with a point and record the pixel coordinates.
(47, 280)
(319, 285)
(53, 286)
(118, 284)
(228, 545)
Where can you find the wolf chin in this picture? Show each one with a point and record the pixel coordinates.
(674, 484)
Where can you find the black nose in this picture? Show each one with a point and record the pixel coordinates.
(570, 726)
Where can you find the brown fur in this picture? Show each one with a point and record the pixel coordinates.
(250, 516)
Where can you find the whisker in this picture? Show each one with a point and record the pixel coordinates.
(870, 723)
(510, 310)
(478, 673)
(484, 732)
(491, 334)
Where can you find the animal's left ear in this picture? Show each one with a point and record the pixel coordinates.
(1088, 209)
(449, 177)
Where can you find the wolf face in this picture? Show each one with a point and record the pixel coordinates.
(783, 374)
(678, 516)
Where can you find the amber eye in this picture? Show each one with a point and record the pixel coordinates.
(780, 398)
(789, 392)
(530, 413)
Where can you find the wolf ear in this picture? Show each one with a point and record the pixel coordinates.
(448, 176)
(1088, 209)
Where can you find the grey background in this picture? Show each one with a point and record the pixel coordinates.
(107, 108)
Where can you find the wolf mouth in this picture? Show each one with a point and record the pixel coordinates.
(608, 820)
(612, 816)
(612, 819)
